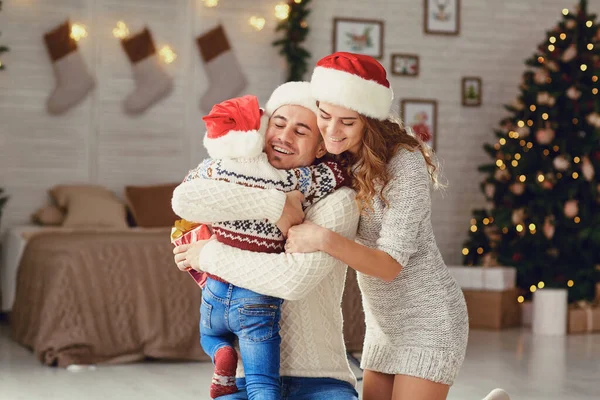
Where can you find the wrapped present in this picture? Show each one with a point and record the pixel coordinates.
(583, 317)
(493, 309)
(185, 232)
(485, 278)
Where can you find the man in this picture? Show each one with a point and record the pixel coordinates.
(313, 355)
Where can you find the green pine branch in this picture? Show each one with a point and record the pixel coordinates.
(295, 29)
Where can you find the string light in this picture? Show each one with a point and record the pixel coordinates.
(530, 122)
(532, 107)
(497, 146)
(522, 178)
(595, 78)
(532, 288)
(559, 175)
(522, 143)
(465, 251)
(473, 228)
(556, 148)
(517, 156)
(514, 163)
(297, 1)
(590, 46)
(565, 11)
(551, 47)
(541, 285)
(473, 221)
(575, 175)
(575, 121)
(486, 221)
(167, 54)
(541, 60)
(121, 31)
(546, 152)
(583, 67)
(576, 160)
(595, 91)
(519, 228)
(505, 230)
(563, 36)
(589, 24)
(552, 39)
(78, 32)
(257, 23)
(502, 141)
(570, 283)
(521, 124)
(499, 163)
(541, 178)
(211, 3)
(532, 227)
(545, 116)
(480, 250)
(529, 145)
(577, 220)
(520, 299)
(282, 11)
(304, 24)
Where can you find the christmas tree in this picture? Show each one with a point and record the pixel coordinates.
(542, 187)
(295, 28)
(3, 49)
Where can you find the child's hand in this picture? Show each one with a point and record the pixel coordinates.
(180, 260)
(292, 212)
(187, 256)
(305, 238)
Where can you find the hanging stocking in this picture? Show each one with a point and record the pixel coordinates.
(73, 81)
(222, 68)
(152, 82)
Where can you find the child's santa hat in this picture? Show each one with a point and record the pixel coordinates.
(232, 129)
(353, 81)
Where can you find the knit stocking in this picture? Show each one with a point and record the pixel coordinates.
(223, 380)
(222, 68)
(73, 81)
(151, 80)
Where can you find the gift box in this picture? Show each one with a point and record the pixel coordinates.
(485, 278)
(583, 317)
(493, 309)
(185, 232)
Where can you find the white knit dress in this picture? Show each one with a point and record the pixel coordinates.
(417, 325)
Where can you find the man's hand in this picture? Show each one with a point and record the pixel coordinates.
(187, 256)
(292, 212)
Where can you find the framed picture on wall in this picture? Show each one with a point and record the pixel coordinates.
(405, 64)
(361, 36)
(421, 116)
(471, 91)
(442, 17)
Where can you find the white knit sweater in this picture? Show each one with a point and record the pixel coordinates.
(312, 284)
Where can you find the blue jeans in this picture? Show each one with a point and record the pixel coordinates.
(293, 388)
(228, 311)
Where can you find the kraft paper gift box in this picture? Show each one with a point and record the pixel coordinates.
(583, 317)
(493, 309)
(485, 278)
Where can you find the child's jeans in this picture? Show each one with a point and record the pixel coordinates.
(228, 311)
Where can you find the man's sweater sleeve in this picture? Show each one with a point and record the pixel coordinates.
(287, 276)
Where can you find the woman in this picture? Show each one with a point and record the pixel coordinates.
(313, 355)
(416, 315)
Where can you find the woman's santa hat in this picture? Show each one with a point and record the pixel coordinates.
(353, 81)
(232, 129)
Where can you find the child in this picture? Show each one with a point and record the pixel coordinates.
(236, 150)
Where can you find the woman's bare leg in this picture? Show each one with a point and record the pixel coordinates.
(377, 386)
(412, 388)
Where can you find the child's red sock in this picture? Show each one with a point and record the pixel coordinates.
(223, 380)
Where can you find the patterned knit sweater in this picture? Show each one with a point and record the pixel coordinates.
(311, 325)
(262, 235)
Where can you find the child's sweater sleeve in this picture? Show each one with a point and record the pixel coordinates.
(204, 200)
(317, 181)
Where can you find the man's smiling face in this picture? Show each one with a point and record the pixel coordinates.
(292, 139)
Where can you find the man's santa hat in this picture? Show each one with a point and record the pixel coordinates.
(291, 94)
(353, 81)
(232, 129)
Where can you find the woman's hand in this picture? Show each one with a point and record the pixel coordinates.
(292, 212)
(305, 238)
(187, 256)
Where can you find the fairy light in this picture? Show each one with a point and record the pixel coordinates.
(541, 285)
(78, 32)
(465, 251)
(590, 46)
(540, 178)
(514, 163)
(559, 175)
(167, 54)
(121, 31)
(521, 124)
(519, 228)
(541, 60)
(211, 3)
(551, 47)
(257, 23)
(532, 288)
(577, 220)
(473, 221)
(583, 67)
(595, 78)
(517, 156)
(282, 11)
(532, 227)
(480, 250)
(570, 283)
(576, 160)
(545, 116)
(556, 148)
(552, 39)
(499, 163)
(565, 11)
(529, 145)
(522, 178)
(595, 91)
(522, 142)
(546, 152)
(589, 24)
(497, 146)
(505, 230)
(486, 221)
(575, 121)
(297, 1)
(502, 141)
(532, 107)
(575, 175)
(521, 299)
(530, 122)
(473, 228)
(563, 36)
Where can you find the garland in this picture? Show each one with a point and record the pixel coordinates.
(295, 29)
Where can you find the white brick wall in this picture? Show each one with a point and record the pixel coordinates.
(97, 142)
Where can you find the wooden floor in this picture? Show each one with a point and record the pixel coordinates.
(530, 368)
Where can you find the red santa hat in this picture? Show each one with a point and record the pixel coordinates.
(293, 94)
(353, 81)
(232, 129)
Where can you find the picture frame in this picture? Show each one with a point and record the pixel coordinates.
(471, 92)
(405, 64)
(421, 116)
(361, 36)
(441, 17)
